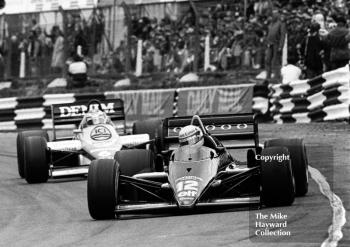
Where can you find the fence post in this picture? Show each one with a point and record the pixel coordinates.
(197, 38)
(207, 53)
(139, 58)
(285, 51)
(22, 66)
(92, 49)
(65, 39)
(128, 37)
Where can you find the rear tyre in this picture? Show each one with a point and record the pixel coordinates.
(150, 127)
(102, 188)
(20, 147)
(297, 150)
(154, 129)
(251, 160)
(134, 161)
(277, 184)
(36, 167)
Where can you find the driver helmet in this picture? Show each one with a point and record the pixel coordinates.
(191, 135)
(97, 117)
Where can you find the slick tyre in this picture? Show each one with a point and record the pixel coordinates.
(20, 146)
(154, 129)
(297, 150)
(277, 183)
(102, 189)
(36, 167)
(134, 161)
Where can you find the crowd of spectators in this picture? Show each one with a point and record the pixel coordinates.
(253, 39)
(46, 52)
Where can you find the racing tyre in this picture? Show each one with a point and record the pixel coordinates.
(150, 127)
(277, 183)
(20, 146)
(154, 129)
(102, 188)
(134, 161)
(297, 150)
(36, 167)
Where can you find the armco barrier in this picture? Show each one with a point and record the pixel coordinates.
(323, 98)
(35, 112)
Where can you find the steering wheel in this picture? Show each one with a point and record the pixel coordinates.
(97, 102)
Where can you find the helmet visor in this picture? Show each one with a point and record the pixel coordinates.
(191, 140)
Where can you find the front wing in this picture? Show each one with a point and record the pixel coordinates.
(239, 187)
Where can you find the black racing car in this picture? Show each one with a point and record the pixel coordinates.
(135, 182)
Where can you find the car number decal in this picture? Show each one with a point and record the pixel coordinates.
(187, 188)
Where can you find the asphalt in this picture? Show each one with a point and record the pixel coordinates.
(56, 213)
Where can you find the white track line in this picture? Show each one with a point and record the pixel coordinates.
(335, 229)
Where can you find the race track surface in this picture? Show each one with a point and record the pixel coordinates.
(56, 213)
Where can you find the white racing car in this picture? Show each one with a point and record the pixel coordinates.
(96, 137)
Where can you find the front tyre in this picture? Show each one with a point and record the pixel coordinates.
(36, 167)
(297, 150)
(20, 146)
(102, 188)
(277, 183)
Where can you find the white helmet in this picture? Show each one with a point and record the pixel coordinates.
(191, 135)
(97, 117)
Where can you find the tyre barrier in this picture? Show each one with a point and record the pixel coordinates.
(307, 87)
(323, 98)
(261, 105)
(35, 112)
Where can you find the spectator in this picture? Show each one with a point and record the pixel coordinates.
(275, 40)
(57, 61)
(45, 51)
(119, 57)
(338, 40)
(34, 53)
(77, 72)
(80, 40)
(290, 72)
(237, 49)
(14, 56)
(312, 48)
(2, 59)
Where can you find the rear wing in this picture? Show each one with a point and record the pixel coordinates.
(233, 130)
(72, 113)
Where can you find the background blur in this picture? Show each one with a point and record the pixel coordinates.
(38, 37)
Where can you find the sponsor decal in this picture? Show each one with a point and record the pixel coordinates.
(100, 133)
(187, 188)
(80, 110)
(218, 127)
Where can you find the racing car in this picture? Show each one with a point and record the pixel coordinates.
(132, 184)
(96, 137)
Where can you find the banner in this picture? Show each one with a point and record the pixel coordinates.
(31, 6)
(215, 100)
(146, 104)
